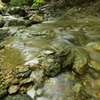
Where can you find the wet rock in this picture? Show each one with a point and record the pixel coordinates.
(53, 70)
(13, 89)
(8, 77)
(35, 18)
(77, 87)
(23, 75)
(18, 22)
(17, 97)
(4, 33)
(80, 65)
(51, 65)
(81, 61)
(3, 92)
(17, 10)
(68, 59)
(27, 80)
(16, 81)
(7, 82)
(21, 69)
(56, 62)
(95, 64)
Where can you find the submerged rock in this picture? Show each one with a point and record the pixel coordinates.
(81, 61)
(80, 65)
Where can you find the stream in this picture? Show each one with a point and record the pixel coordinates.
(28, 44)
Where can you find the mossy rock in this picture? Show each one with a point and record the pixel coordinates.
(17, 10)
(35, 18)
(15, 22)
(81, 61)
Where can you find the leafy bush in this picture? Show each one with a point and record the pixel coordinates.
(18, 2)
(37, 2)
(26, 2)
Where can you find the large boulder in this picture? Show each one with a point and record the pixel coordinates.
(15, 22)
(35, 18)
(17, 10)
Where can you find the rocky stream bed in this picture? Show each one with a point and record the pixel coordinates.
(48, 60)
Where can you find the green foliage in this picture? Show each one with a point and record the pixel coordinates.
(25, 2)
(37, 2)
(18, 2)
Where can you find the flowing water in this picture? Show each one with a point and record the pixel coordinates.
(27, 43)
